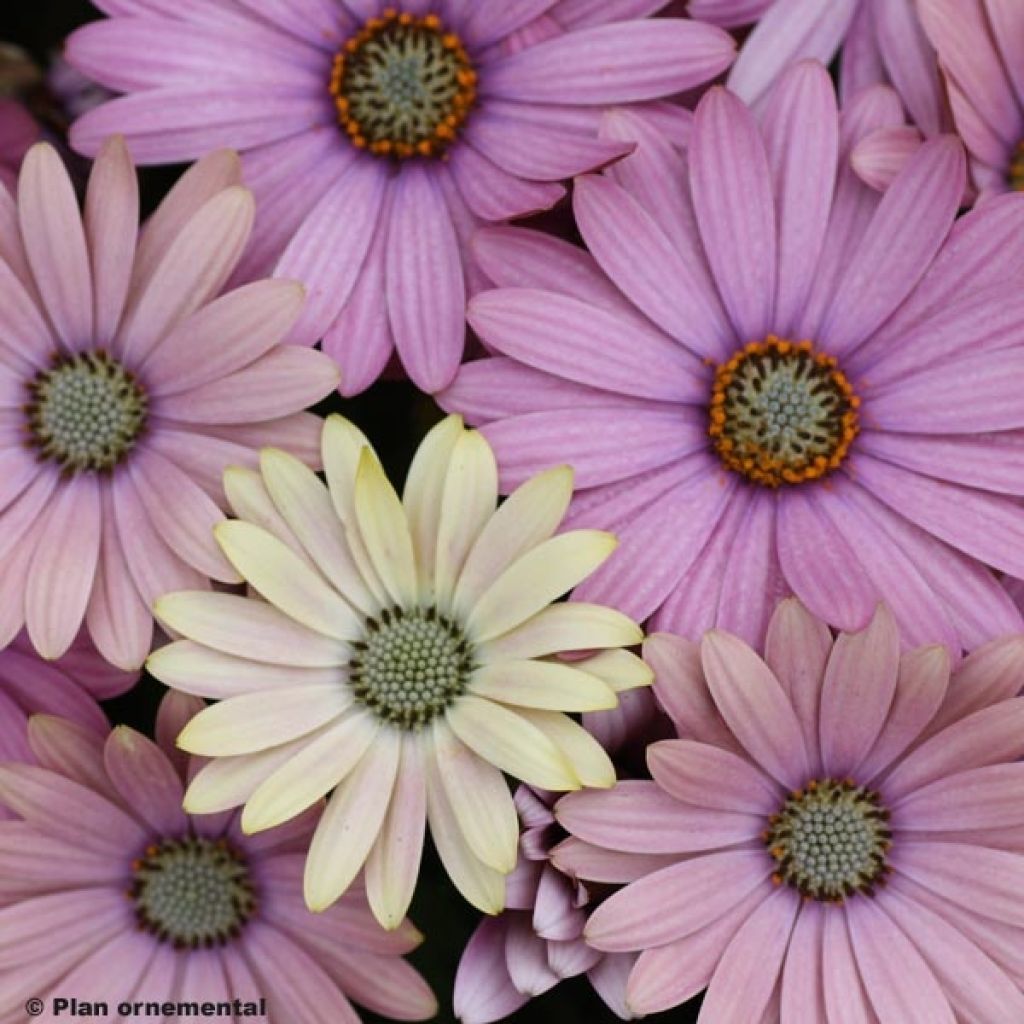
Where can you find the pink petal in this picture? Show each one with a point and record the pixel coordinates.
(638, 817)
(621, 63)
(803, 987)
(732, 198)
(483, 989)
(797, 647)
(801, 132)
(146, 781)
(982, 798)
(492, 193)
(639, 258)
(745, 977)
(425, 289)
(111, 230)
(910, 224)
(51, 228)
(677, 901)
(860, 680)
(755, 707)
(899, 982)
(328, 260)
(64, 567)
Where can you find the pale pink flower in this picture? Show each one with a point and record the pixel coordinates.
(769, 377)
(126, 386)
(842, 824)
(372, 167)
(110, 892)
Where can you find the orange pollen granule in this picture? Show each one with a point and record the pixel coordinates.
(403, 86)
(782, 413)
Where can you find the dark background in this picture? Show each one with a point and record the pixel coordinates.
(395, 417)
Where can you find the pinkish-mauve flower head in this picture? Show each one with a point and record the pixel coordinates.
(69, 687)
(770, 378)
(18, 130)
(109, 891)
(844, 824)
(980, 45)
(126, 386)
(378, 135)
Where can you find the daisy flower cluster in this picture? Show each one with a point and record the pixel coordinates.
(551, 471)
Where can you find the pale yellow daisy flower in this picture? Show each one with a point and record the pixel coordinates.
(404, 656)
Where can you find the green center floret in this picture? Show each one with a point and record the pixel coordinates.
(86, 413)
(410, 666)
(830, 840)
(192, 892)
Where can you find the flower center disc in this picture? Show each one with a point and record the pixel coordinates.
(782, 413)
(410, 666)
(192, 892)
(403, 86)
(830, 840)
(86, 412)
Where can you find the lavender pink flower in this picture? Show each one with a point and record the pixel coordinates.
(127, 383)
(843, 827)
(148, 903)
(768, 377)
(377, 136)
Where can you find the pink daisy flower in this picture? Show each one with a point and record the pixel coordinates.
(980, 44)
(152, 904)
(68, 687)
(769, 377)
(882, 44)
(125, 388)
(18, 130)
(377, 135)
(845, 824)
(537, 941)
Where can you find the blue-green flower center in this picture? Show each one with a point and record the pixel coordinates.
(830, 839)
(192, 892)
(86, 412)
(410, 666)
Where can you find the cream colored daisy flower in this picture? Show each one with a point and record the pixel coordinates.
(404, 656)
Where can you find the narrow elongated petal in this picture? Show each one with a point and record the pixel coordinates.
(508, 741)
(349, 826)
(536, 579)
(270, 566)
(542, 684)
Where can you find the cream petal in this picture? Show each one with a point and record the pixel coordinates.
(423, 492)
(385, 531)
(481, 885)
(479, 798)
(508, 741)
(529, 516)
(537, 578)
(250, 500)
(575, 626)
(193, 668)
(350, 825)
(469, 499)
(590, 762)
(542, 684)
(621, 670)
(394, 862)
(285, 581)
(255, 721)
(305, 505)
(311, 773)
(247, 628)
